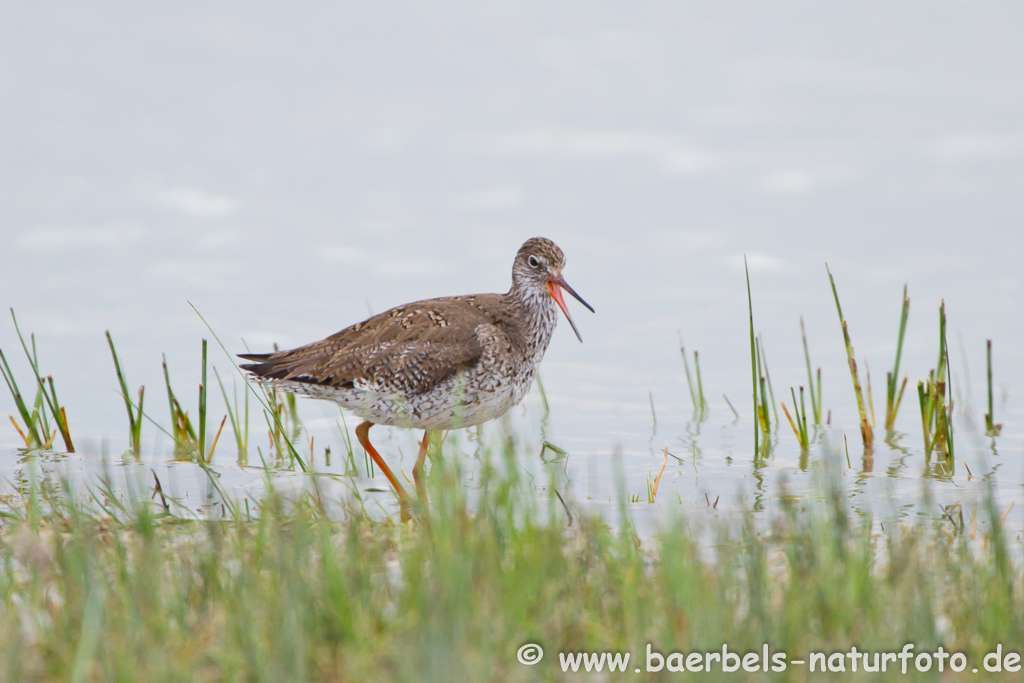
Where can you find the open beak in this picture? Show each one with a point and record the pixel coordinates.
(555, 287)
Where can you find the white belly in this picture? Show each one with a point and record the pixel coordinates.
(447, 406)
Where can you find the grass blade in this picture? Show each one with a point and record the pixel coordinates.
(202, 408)
(866, 434)
(59, 415)
(32, 438)
(991, 429)
(753, 361)
(134, 421)
(815, 394)
(241, 437)
(892, 399)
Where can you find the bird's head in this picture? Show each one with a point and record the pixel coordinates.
(538, 270)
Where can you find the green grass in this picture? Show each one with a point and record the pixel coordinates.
(301, 588)
(800, 424)
(762, 422)
(239, 419)
(894, 396)
(767, 393)
(694, 383)
(935, 397)
(866, 431)
(184, 434)
(815, 389)
(134, 412)
(36, 432)
(991, 428)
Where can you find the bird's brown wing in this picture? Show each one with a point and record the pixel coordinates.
(409, 349)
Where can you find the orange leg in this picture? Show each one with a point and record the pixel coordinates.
(417, 471)
(363, 434)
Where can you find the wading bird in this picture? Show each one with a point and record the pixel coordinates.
(437, 364)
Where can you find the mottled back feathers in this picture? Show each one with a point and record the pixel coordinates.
(409, 349)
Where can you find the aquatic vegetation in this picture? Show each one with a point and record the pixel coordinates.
(866, 431)
(936, 399)
(239, 417)
(134, 412)
(762, 422)
(693, 382)
(800, 425)
(813, 388)
(991, 428)
(295, 586)
(894, 397)
(37, 427)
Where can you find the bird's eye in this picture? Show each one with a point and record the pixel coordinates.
(534, 263)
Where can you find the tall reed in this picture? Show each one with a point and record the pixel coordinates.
(800, 424)
(866, 433)
(815, 391)
(894, 397)
(762, 424)
(936, 400)
(45, 391)
(134, 412)
(991, 428)
(696, 387)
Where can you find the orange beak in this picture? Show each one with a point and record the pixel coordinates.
(555, 287)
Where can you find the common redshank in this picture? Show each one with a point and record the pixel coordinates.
(437, 364)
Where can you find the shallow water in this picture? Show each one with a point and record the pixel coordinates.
(288, 173)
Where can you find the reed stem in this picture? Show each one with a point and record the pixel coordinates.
(866, 434)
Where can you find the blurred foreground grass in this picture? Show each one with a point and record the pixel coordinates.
(298, 588)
